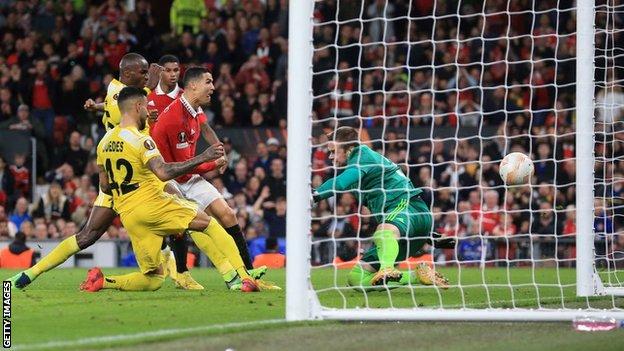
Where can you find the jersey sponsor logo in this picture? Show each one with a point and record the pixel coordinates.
(114, 146)
(149, 144)
(182, 145)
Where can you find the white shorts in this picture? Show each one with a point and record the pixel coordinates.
(199, 190)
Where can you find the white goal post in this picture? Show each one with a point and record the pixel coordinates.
(590, 294)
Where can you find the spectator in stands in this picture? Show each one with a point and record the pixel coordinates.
(24, 122)
(276, 181)
(569, 226)
(7, 183)
(252, 189)
(271, 257)
(41, 231)
(39, 91)
(253, 72)
(28, 228)
(546, 225)
(231, 153)
(17, 254)
(74, 155)
(236, 182)
(21, 175)
(491, 212)
(276, 220)
(264, 159)
(5, 229)
(53, 205)
(273, 146)
(186, 15)
(20, 214)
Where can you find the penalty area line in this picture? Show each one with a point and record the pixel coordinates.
(143, 335)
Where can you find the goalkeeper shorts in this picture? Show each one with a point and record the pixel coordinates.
(414, 221)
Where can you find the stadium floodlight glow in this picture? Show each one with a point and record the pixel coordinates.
(436, 90)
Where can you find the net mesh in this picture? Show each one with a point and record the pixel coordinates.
(609, 147)
(445, 89)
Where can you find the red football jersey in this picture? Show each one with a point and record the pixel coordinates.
(176, 133)
(158, 100)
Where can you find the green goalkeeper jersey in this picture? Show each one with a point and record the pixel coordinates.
(376, 180)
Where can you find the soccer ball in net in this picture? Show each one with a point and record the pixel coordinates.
(516, 169)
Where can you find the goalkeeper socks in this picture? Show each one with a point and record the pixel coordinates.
(387, 247)
(360, 277)
(179, 246)
(241, 244)
(409, 278)
(136, 281)
(58, 255)
(225, 243)
(209, 247)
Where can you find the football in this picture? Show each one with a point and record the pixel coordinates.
(516, 169)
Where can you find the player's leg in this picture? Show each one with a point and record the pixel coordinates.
(418, 233)
(208, 198)
(98, 222)
(176, 266)
(150, 278)
(386, 243)
(223, 213)
(197, 189)
(147, 224)
(208, 226)
(361, 275)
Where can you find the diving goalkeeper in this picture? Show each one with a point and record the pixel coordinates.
(405, 222)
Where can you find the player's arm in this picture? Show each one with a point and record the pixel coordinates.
(91, 105)
(209, 134)
(153, 76)
(104, 184)
(344, 181)
(167, 171)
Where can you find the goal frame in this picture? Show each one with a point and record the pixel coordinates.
(301, 300)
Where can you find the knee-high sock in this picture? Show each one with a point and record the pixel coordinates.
(241, 244)
(224, 242)
(179, 246)
(58, 255)
(387, 247)
(136, 281)
(209, 247)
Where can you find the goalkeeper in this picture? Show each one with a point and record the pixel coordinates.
(405, 219)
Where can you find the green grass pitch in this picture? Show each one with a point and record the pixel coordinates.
(53, 314)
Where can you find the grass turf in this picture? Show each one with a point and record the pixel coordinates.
(53, 310)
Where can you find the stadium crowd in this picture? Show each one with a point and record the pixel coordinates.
(492, 96)
(56, 54)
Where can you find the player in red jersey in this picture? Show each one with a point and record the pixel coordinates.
(176, 134)
(167, 89)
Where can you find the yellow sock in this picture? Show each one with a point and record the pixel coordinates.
(208, 246)
(136, 281)
(225, 243)
(58, 255)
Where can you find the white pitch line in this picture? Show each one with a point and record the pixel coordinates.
(145, 335)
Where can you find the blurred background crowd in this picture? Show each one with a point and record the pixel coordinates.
(434, 88)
